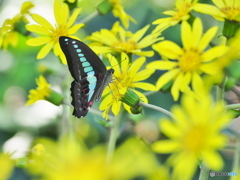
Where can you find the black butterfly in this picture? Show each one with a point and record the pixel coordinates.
(89, 73)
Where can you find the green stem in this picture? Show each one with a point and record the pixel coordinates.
(148, 93)
(204, 173)
(157, 109)
(220, 90)
(66, 124)
(88, 18)
(114, 133)
(233, 106)
(236, 157)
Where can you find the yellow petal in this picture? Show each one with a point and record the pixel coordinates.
(185, 81)
(143, 53)
(176, 86)
(219, 4)
(63, 58)
(186, 34)
(162, 20)
(142, 75)
(38, 41)
(197, 84)
(165, 78)
(211, 68)
(101, 49)
(26, 6)
(116, 107)
(207, 37)
(197, 31)
(38, 29)
(139, 34)
(58, 52)
(210, 9)
(214, 52)
(185, 166)
(170, 129)
(42, 21)
(168, 49)
(73, 17)
(213, 160)
(162, 65)
(75, 28)
(165, 146)
(135, 66)
(61, 12)
(105, 102)
(180, 117)
(45, 50)
(149, 40)
(114, 64)
(145, 86)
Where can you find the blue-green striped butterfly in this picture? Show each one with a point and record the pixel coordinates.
(89, 73)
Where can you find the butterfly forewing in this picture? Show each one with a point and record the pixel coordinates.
(89, 73)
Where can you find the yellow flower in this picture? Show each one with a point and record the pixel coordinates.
(41, 92)
(51, 34)
(68, 159)
(6, 166)
(9, 31)
(187, 65)
(222, 10)
(118, 11)
(119, 40)
(126, 76)
(183, 8)
(71, 1)
(194, 134)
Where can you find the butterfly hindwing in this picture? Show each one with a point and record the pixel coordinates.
(88, 71)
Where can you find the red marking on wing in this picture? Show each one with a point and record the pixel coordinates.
(99, 76)
(84, 90)
(90, 103)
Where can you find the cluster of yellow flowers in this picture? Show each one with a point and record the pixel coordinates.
(189, 71)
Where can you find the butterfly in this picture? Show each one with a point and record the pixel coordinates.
(89, 73)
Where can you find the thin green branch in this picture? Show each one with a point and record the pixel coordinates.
(114, 133)
(221, 90)
(157, 109)
(204, 173)
(148, 93)
(233, 106)
(89, 18)
(66, 124)
(236, 157)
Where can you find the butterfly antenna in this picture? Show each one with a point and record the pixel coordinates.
(118, 62)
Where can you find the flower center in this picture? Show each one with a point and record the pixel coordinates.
(231, 12)
(190, 60)
(127, 46)
(182, 11)
(120, 86)
(195, 139)
(59, 31)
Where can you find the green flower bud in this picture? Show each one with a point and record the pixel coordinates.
(230, 28)
(55, 98)
(132, 99)
(104, 7)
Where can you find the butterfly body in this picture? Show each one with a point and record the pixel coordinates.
(89, 73)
